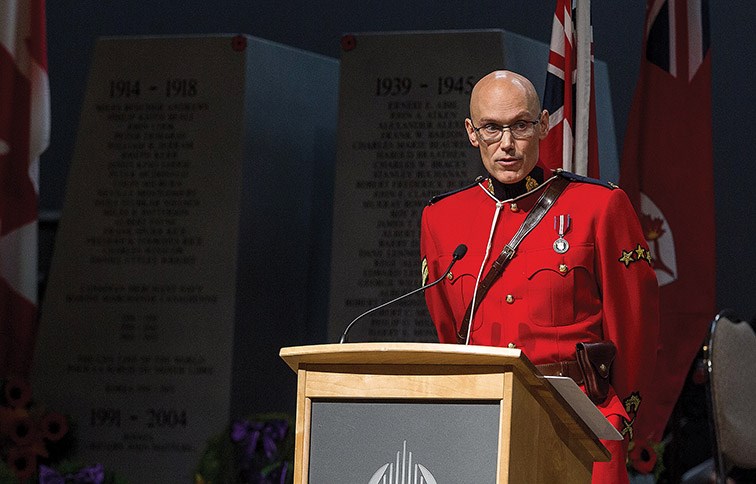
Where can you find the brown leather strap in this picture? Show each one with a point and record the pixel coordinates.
(535, 215)
(563, 368)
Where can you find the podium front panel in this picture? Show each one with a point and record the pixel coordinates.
(403, 441)
(401, 413)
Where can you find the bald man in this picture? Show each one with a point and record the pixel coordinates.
(582, 275)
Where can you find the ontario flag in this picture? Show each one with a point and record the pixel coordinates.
(569, 93)
(669, 134)
(24, 135)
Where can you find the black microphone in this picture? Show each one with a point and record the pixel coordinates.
(458, 254)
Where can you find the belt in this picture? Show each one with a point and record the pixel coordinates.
(562, 368)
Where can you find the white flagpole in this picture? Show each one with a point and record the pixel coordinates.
(583, 36)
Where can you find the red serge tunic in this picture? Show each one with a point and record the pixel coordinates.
(601, 287)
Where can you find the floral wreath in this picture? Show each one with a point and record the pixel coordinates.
(37, 444)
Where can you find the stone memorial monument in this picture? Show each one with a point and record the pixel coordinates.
(175, 232)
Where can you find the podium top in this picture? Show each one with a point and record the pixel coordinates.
(403, 354)
(570, 400)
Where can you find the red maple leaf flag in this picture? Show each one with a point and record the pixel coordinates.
(569, 93)
(669, 133)
(24, 135)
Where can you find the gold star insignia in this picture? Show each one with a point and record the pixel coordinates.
(641, 252)
(649, 259)
(627, 258)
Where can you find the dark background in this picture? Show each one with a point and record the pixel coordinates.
(73, 26)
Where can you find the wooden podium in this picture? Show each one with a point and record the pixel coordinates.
(540, 437)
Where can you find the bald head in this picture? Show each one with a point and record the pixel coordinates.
(497, 101)
(503, 87)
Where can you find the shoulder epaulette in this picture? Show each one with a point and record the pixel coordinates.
(584, 179)
(461, 189)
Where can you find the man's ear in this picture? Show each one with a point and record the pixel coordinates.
(543, 122)
(471, 135)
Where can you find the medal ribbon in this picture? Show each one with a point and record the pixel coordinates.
(564, 225)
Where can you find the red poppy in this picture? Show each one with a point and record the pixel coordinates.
(20, 427)
(348, 42)
(54, 426)
(642, 456)
(239, 43)
(18, 392)
(22, 461)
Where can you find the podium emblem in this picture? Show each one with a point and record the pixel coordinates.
(402, 471)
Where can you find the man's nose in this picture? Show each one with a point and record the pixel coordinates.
(507, 140)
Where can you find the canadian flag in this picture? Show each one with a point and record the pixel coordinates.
(24, 135)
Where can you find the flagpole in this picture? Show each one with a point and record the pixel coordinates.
(583, 37)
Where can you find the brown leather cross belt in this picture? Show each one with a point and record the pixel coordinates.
(563, 368)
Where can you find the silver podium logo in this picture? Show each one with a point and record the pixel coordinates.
(402, 471)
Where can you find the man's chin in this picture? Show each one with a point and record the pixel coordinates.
(509, 177)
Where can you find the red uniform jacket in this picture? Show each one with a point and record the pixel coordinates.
(602, 287)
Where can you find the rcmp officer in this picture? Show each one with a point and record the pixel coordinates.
(583, 274)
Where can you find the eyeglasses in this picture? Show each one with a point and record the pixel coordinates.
(491, 133)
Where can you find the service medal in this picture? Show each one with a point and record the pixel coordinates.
(561, 226)
(561, 246)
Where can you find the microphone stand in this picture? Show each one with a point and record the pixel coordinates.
(459, 252)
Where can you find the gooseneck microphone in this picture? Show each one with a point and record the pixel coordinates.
(458, 254)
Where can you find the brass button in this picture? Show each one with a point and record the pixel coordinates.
(563, 268)
(509, 299)
(511, 345)
(450, 276)
(513, 207)
(602, 367)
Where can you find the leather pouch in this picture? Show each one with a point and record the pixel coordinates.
(595, 360)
